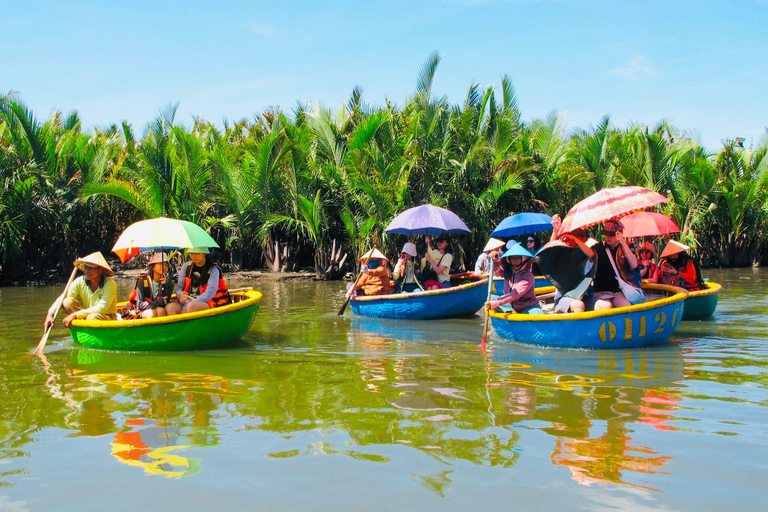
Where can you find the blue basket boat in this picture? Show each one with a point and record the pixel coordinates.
(465, 297)
(649, 323)
(701, 304)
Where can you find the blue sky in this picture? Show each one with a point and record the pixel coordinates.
(701, 64)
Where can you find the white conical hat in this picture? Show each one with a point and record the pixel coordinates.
(94, 259)
(373, 254)
(673, 247)
(493, 244)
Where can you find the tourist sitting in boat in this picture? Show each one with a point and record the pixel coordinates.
(406, 274)
(152, 291)
(436, 265)
(519, 282)
(677, 268)
(375, 275)
(646, 263)
(92, 296)
(569, 304)
(491, 252)
(613, 253)
(201, 285)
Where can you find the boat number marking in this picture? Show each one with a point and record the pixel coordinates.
(607, 330)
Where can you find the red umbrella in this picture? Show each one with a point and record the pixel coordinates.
(648, 224)
(609, 203)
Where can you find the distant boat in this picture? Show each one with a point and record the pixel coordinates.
(701, 304)
(466, 297)
(640, 325)
(187, 331)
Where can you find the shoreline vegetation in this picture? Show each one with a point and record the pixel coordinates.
(311, 188)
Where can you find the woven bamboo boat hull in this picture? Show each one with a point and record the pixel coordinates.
(701, 304)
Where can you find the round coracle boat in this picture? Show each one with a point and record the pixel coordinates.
(701, 304)
(639, 325)
(187, 331)
(465, 297)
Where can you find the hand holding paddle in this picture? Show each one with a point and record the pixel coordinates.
(352, 290)
(50, 318)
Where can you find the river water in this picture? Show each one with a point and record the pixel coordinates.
(316, 412)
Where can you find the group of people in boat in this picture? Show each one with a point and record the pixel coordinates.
(410, 273)
(614, 269)
(93, 296)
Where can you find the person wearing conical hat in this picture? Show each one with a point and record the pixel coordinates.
(375, 278)
(519, 282)
(490, 253)
(153, 289)
(92, 296)
(677, 268)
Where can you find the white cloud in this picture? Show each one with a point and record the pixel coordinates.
(260, 29)
(633, 69)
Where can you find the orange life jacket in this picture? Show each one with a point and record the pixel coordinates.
(221, 298)
(144, 281)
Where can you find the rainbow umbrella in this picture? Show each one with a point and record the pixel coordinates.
(610, 203)
(158, 234)
(648, 224)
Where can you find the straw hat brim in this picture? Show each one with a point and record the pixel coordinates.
(373, 254)
(95, 259)
(673, 247)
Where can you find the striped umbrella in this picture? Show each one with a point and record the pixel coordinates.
(610, 203)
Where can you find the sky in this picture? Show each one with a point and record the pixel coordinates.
(703, 65)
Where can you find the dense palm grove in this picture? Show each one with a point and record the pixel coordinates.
(303, 189)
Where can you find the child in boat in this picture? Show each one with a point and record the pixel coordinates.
(152, 291)
(406, 274)
(201, 285)
(519, 282)
(375, 278)
(92, 296)
(678, 268)
(646, 263)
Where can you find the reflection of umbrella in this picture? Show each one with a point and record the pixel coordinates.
(523, 224)
(648, 224)
(609, 203)
(160, 233)
(427, 220)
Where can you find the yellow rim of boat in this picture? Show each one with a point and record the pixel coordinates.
(394, 296)
(679, 295)
(251, 297)
(712, 288)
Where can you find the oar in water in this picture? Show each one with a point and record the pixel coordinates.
(352, 290)
(487, 311)
(44, 339)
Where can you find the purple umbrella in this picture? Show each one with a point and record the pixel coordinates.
(427, 220)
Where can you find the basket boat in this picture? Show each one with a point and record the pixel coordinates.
(701, 304)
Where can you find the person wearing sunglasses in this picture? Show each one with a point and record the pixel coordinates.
(646, 262)
(92, 296)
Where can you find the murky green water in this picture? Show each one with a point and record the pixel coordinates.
(314, 412)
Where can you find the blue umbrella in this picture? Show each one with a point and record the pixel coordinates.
(522, 224)
(427, 220)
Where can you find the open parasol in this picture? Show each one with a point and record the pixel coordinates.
(427, 220)
(610, 203)
(160, 233)
(525, 223)
(648, 224)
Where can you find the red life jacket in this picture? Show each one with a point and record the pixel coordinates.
(221, 298)
(144, 281)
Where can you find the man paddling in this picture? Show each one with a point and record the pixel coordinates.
(93, 297)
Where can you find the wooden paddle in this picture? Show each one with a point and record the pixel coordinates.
(352, 290)
(44, 339)
(487, 316)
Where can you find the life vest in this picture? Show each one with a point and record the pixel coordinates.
(144, 281)
(199, 284)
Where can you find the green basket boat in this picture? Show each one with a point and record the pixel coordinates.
(188, 331)
(701, 304)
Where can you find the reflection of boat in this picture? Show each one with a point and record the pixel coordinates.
(639, 325)
(414, 330)
(187, 331)
(152, 450)
(701, 304)
(465, 297)
(498, 284)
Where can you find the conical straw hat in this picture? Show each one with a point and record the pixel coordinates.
(94, 259)
(373, 254)
(493, 244)
(673, 247)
